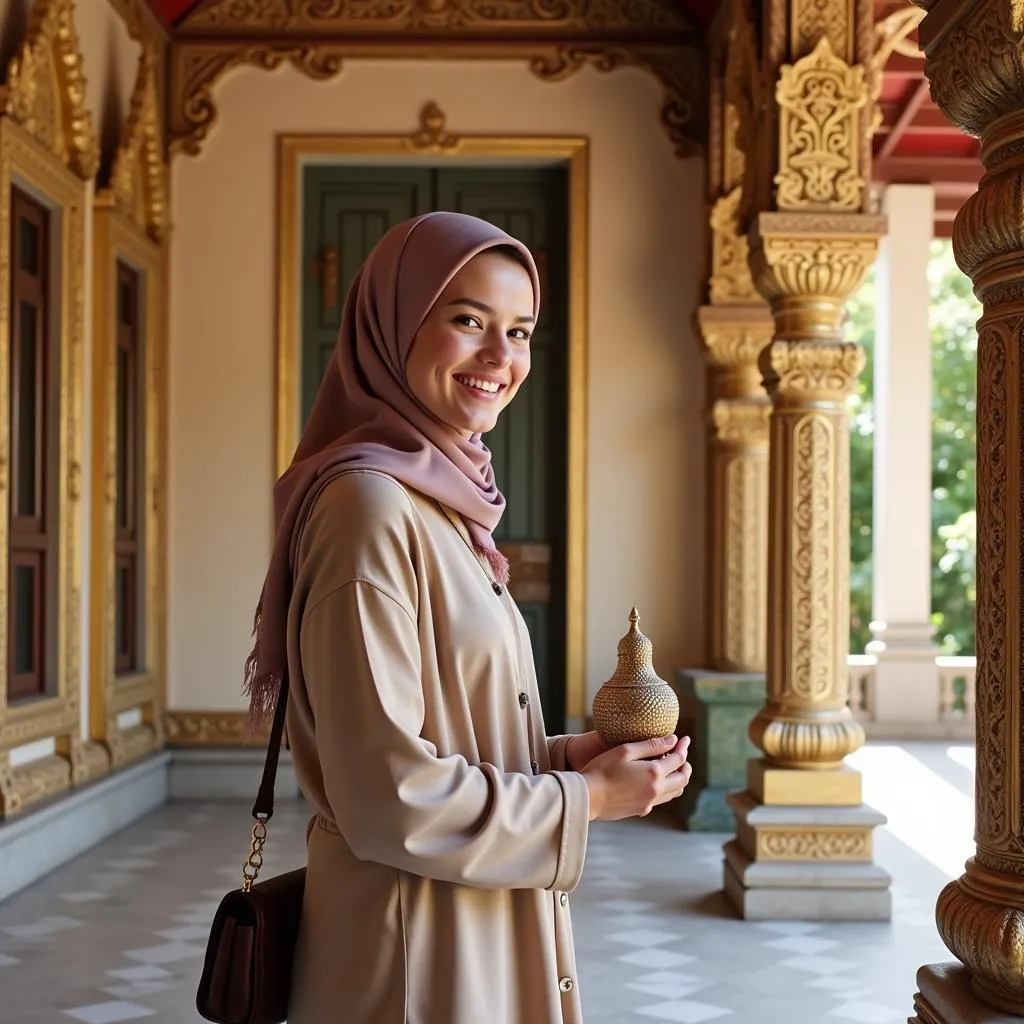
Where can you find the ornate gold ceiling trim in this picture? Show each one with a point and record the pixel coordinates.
(555, 37)
(45, 88)
(138, 182)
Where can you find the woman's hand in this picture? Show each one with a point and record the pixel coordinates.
(581, 749)
(631, 779)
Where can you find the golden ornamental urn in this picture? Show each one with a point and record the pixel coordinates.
(635, 704)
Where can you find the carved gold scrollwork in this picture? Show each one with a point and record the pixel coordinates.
(138, 177)
(433, 136)
(557, 37)
(820, 99)
(49, 61)
(198, 67)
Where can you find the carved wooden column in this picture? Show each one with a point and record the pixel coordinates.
(975, 61)
(720, 699)
(804, 839)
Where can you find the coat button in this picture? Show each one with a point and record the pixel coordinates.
(563, 899)
(523, 700)
(565, 984)
(497, 588)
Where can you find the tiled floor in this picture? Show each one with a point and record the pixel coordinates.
(118, 935)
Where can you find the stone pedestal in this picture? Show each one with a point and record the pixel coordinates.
(810, 863)
(718, 708)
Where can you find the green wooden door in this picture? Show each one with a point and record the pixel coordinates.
(346, 209)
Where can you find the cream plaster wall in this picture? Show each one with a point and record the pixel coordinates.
(646, 373)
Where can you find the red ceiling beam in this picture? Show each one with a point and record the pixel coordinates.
(907, 115)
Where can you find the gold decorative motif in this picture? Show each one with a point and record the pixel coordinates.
(820, 99)
(365, 16)
(557, 40)
(814, 843)
(196, 69)
(741, 422)
(27, 158)
(675, 67)
(812, 21)
(23, 786)
(130, 219)
(809, 264)
(815, 372)
(635, 704)
(138, 179)
(432, 136)
(730, 268)
(45, 90)
(210, 729)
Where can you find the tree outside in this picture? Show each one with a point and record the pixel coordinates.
(954, 313)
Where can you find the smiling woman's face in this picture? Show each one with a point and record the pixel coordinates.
(472, 351)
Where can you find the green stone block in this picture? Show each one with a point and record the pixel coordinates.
(715, 709)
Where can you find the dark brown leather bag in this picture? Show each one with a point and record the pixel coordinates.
(248, 970)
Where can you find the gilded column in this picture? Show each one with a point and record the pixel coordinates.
(804, 839)
(975, 61)
(718, 700)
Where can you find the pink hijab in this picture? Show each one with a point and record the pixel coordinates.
(365, 416)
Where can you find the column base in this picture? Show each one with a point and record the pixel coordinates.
(906, 686)
(944, 996)
(716, 707)
(805, 861)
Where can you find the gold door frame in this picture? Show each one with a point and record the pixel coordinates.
(129, 225)
(433, 142)
(49, 149)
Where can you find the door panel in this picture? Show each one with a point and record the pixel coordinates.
(347, 209)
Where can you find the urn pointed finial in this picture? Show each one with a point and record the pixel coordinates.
(635, 704)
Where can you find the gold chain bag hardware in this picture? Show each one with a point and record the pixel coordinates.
(248, 970)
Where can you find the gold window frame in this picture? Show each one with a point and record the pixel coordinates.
(49, 149)
(130, 226)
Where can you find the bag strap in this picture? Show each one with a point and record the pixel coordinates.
(263, 809)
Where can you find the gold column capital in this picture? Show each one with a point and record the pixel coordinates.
(818, 371)
(808, 264)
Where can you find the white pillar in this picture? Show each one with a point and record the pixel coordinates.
(906, 679)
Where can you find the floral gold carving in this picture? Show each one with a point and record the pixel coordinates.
(814, 843)
(45, 88)
(404, 15)
(814, 20)
(730, 268)
(432, 136)
(556, 38)
(820, 100)
(209, 729)
(138, 179)
(196, 68)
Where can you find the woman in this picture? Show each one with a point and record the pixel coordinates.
(448, 829)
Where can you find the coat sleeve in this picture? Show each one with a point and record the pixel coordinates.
(558, 752)
(395, 800)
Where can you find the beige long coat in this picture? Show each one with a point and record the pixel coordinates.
(447, 830)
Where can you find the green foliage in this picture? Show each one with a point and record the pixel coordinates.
(954, 312)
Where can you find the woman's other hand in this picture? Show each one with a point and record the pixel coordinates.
(631, 779)
(581, 749)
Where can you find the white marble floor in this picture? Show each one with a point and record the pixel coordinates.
(118, 935)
